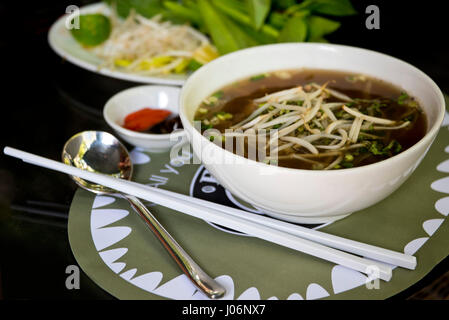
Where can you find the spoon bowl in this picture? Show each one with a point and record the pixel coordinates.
(100, 152)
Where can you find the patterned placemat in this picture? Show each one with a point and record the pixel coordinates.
(114, 247)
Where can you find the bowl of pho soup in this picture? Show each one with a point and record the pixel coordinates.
(310, 133)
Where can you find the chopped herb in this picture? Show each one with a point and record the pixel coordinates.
(409, 118)
(194, 65)
(210, 102)
(362, 138)
(350, 104)
(393, 146)
(296, 103)
(339, 113)
(218, 94)
(374, 109)
(378, 149)
(203, 110)
(258, 77)
(413, 104)
(224, 115)
(403, 97)
(351, 79)
(347, 164)
(375, 148)
(361, 151)
(215, 120)
(206, 126)
(349, 157)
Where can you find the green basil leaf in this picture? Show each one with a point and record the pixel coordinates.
(258, 11)
(319, 27)
(236, 5)
(283, 4)
(332, 7)
(257, 37)
(216, 27)
(123, 7)
(183, 12)
(295, 30)
(147, 8)
(278, 20)
(241, 33)
(231, 9)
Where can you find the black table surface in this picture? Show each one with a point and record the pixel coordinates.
(48, 100)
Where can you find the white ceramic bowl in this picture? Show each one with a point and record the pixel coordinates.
(134, 99)
(309, 196)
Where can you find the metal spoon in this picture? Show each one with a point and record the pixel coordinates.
(101, 152)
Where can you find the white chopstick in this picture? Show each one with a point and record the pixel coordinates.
(362, 249)
(366, 266)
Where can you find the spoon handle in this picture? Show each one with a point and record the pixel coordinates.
(202, 281)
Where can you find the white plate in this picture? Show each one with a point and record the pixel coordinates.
(62, 42)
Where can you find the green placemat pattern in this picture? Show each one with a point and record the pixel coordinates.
(117, 251)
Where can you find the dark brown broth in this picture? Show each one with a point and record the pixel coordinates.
(237, 99)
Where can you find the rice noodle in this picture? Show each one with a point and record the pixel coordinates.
(334, 93)
(297, 156)
(401, 126)
(336, 124)
(278, 94)
(252, 115)
(315, 137)
(302, 143)
(333, 105)
(343, 138)
(355, 130)
(328, 112)
(367, 118)
(254, 121)
(264, 120)
(336, 162)
(289, 107)
(283, 147)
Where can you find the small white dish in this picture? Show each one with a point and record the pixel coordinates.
(137, 98)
